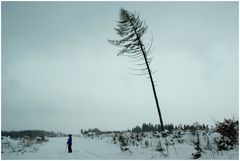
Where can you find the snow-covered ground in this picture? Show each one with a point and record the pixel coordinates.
(104, 148)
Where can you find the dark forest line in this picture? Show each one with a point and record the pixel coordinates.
(31, 133)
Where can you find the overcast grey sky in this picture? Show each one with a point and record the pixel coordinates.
(60, 73)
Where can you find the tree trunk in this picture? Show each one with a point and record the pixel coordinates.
(150, 75)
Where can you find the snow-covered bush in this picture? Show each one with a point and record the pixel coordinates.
(22, 145)
(197, 147)
(114, 139)
(178, 134)
(123, 140)
(228, 129)
(160, 147)
(165, 133)
(146, 143)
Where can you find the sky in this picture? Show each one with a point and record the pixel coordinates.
(60, 73)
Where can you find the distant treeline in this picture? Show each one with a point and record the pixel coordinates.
(170, 127)
(31, 133)
(97, 131)
(151, 128)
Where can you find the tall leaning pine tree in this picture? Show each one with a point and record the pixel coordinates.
(131, 30)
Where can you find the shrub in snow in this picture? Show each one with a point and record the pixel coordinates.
(114, 139)
(7, 144)
(138, 137)
(156, 135)
(41, 139)
(135, 138)
(223, 144)
(228, 129)
(169, 142)
(22, 145)
(197, 147)
(146, 143)
(165, 133)
(125, 149)
(178, 134)
(123, 140)
(159, 147)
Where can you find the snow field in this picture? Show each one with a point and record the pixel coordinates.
(103, 148)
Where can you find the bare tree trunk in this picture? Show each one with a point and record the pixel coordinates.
(150, 76)
(155, 95)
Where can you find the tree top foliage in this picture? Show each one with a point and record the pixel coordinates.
(131, 29)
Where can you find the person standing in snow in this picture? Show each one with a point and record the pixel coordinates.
(69, 143)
